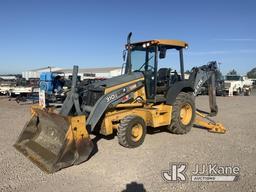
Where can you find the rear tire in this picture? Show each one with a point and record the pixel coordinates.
(183, 113)
(131, 131)
(247, 93)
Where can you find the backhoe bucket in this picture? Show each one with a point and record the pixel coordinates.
(53, 142)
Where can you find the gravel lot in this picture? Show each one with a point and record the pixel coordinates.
(114, 168)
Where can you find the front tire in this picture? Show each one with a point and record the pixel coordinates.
(131, 131)
(183, 113)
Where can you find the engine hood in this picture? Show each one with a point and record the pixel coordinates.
(118, 80)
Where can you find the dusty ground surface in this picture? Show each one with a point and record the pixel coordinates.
(113, 167)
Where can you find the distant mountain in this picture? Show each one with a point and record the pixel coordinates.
(252, 73)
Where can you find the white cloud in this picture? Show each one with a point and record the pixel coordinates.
(221, 52)
(208, 52)
(235, 39)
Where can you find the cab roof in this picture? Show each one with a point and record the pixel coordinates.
(167, 42)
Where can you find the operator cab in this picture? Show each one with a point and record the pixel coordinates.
(145, 57)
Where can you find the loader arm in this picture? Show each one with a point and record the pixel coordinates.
(53, 141)
(72, 98)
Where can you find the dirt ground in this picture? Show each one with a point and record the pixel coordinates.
(115, 168)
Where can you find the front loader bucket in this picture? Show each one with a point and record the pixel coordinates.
(53, 142)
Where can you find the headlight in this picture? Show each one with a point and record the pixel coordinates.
(146, 45)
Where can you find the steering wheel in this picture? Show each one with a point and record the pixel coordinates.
(149, 66)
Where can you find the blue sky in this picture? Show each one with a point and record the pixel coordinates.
(91, 33)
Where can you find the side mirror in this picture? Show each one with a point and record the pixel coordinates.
(162, 54)
(124, 55)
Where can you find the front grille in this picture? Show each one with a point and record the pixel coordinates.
(227, 85)
(91, 96)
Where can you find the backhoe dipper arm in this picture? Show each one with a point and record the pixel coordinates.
(199, 76)
(202, 74)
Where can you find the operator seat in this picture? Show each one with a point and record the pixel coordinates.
(175, 77)
(163, 80)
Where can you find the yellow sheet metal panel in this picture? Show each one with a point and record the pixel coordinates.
(110, 89)
(154, 116)
(168, 42)
(140, 93)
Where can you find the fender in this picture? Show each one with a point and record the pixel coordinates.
(174, 90)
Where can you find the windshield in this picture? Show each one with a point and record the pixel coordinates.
(233, 78)
(142, 59)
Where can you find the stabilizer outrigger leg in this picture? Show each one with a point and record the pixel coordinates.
(210, 124)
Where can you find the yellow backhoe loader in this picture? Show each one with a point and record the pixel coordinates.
(145, 95)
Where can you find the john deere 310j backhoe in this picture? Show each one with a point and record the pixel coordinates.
(144, 96)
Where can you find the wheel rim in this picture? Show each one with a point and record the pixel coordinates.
(186, 113)
(137, 132)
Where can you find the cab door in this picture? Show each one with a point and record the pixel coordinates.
(150, 72)
(143, 60)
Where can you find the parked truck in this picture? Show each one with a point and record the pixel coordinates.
(237, 85)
